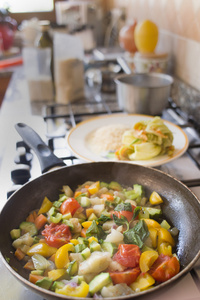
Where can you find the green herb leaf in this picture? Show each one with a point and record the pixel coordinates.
(136, 212)
(102, 219)
(137, 235)
(110, 204)
(96, 230)
(121, 221)
(123, 207)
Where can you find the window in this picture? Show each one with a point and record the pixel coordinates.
(24, 6)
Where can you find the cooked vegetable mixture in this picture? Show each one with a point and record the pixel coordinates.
(102, 240)
(146, 140)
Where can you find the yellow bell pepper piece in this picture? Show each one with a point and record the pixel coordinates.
(155, 198)
(86, 224)
(42, 249)
(165, 248)
(165, 236)
(62, 257)
(74, 241)
(153, 233)
(147, 259)
(77, 193)
(89, 211)
(56, 274)
(94, 188)
(152, 223)
(45, 207)
(143, 282)
(92, 238)
(79, 291)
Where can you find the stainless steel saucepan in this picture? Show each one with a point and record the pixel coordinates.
(142, 93)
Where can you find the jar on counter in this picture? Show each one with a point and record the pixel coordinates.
(150, 62)
(147, 62)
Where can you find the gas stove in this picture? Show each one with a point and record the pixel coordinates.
(19, 165)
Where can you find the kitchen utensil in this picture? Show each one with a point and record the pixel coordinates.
(124, 65)
(109, 73)
(180, 205)
(100, 76)
(143, 93)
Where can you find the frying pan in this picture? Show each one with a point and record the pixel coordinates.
(181, 207)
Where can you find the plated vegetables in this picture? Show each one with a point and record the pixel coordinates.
(102, 240)
(146, 140)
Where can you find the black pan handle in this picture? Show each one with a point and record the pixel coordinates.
(46, 157)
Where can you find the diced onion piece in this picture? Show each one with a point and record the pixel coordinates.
(40, 262)
(114, 237)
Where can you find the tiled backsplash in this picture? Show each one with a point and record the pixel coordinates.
(187, 98)
(179, 35)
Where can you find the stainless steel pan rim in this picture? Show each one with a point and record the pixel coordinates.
(143, 80)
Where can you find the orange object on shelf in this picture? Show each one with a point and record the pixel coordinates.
(9, 62)
(126, 37)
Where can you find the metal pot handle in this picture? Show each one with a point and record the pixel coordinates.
(123, 64)
(46, 157)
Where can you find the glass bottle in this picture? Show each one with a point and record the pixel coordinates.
(45, 41)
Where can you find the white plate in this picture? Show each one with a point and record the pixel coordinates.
(77, 138)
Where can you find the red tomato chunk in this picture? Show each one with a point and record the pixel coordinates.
(164, 268)
(69, 206)
(128, 276)
(57, 235)
(128, 255)
(125, 213)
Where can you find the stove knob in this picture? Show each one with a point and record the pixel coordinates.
(23, 157)
(13, 189)
(20, 174)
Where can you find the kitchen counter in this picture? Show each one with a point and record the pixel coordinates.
(16, 107)
(16, 100)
